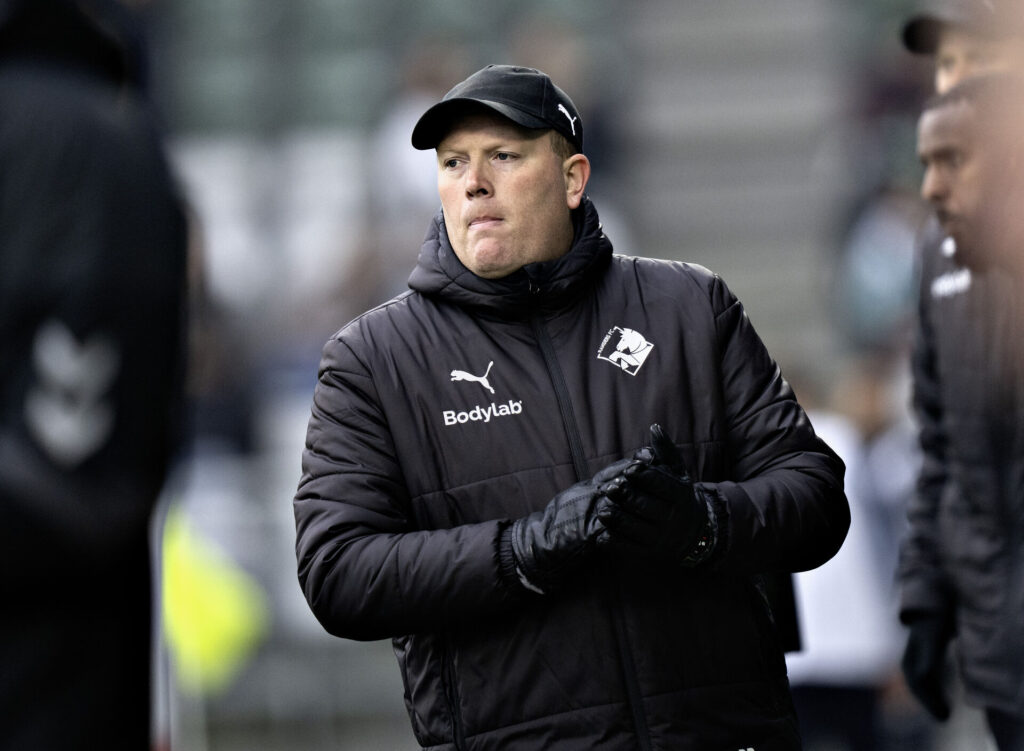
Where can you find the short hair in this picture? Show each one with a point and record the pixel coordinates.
(561, 145)
(985, 91)
(996, 107)
(997, 100)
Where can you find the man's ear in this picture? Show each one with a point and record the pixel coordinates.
(576, 170)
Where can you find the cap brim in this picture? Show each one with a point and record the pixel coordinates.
(921, 34)
(435, 123)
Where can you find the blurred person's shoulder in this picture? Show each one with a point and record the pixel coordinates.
(58, 100)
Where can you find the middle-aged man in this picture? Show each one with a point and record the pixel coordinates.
(962, 572)
(484, 481)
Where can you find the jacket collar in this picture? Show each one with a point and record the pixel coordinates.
(537, 286)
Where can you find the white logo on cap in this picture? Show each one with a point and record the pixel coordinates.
(572, 120)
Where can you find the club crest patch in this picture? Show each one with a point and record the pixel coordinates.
(625, 348)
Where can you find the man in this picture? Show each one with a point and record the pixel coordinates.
(92, 275)
(967, 38)
(970, 146)
(554, 571)
(960, 571)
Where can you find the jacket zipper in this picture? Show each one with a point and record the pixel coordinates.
(572, 433)
(452, 694)
(562, 396)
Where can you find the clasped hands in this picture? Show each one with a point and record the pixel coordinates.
(644, 506)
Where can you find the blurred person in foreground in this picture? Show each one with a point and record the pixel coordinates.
(961, 572)
(92, 273)
(556, 476)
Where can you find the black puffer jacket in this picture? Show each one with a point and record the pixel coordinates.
(411, 466)
(964, 557)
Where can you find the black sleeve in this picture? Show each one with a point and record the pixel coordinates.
(785, 508)
(923, 586)
(364, 568)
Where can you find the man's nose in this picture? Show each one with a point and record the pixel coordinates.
(933, 187)
(478, 182)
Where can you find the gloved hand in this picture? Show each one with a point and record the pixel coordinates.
(656, 509)
(924, 662)
(545, 545)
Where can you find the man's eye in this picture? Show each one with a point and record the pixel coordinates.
(501, 156)
(450, 163)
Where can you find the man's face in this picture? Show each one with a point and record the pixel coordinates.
(966, 162)
(506, 195)
(962, 53)
(955, 172)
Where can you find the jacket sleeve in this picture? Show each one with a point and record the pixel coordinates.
(365, 569)
(923, 588)
(783, 508)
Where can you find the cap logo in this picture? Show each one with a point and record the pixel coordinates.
(572, 120)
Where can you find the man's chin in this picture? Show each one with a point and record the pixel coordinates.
(968, 255)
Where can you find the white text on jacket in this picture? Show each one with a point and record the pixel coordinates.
(482, 413)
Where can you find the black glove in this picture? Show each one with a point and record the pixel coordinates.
(545, 545)
(656, 509)
(924, 662)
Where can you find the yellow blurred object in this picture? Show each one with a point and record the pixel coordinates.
(214, 613)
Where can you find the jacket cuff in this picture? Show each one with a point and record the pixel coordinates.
(707, 538)
(511, 577)
(716, 529)
(924, 596)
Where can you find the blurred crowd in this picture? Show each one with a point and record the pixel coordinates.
(928, 215)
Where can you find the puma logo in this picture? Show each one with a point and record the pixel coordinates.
(462, 375)
(572, 120)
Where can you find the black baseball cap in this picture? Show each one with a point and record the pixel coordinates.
(526, 96)
(986, 17)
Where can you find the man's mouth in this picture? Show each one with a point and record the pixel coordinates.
(947, 220)
(482, 222)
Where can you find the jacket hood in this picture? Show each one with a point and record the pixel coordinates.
(440, 273)
(103, 36)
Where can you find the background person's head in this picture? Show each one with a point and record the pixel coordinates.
(510, 168)
(104, 37)
(969, 141)
(968, 38)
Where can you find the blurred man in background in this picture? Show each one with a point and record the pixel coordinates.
(966, 38)
(961, 571)
(92, 280)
